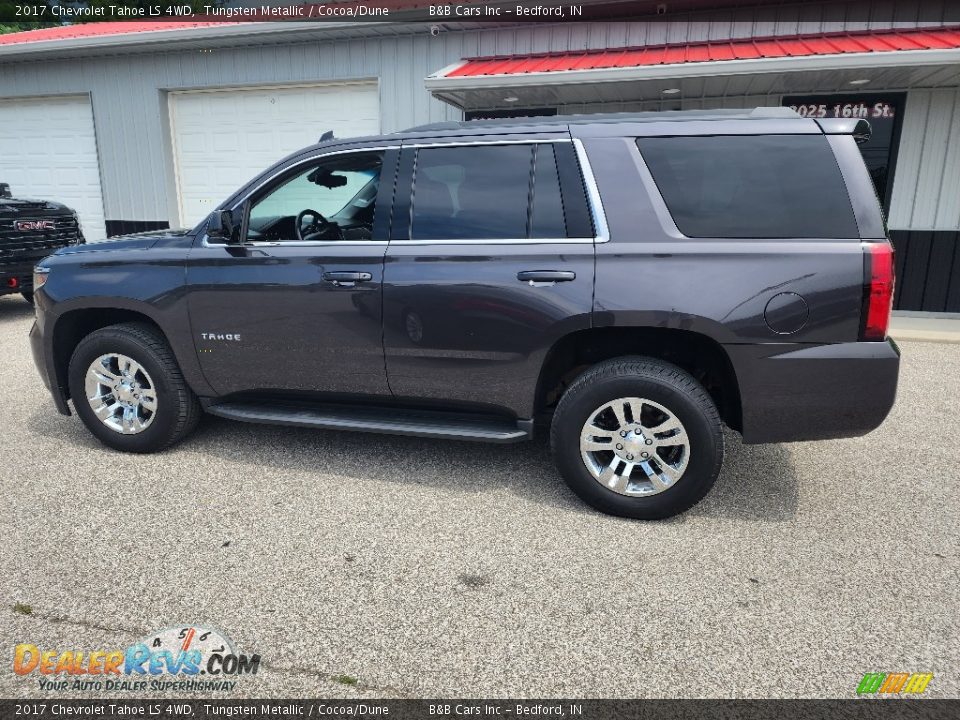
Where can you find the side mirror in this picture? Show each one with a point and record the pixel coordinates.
(220, 226)
(5, 191)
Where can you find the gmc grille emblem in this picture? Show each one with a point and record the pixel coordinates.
(35, 224)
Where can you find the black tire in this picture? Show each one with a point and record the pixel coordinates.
(178, 410)
(28, 296)
(655, 380)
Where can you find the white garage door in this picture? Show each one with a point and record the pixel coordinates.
(48, 151)
(223, 138)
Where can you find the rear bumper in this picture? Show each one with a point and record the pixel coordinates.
(801, 392)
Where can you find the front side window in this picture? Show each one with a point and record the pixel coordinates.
(766, 186)
(494, 192)
(332, 200)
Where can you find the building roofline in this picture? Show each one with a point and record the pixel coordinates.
(736, 56)
(846, 61)
(171, 34)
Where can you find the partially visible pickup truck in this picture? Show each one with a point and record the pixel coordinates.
(29, 231)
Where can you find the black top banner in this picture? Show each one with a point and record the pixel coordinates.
(444, 709)
(54, 12)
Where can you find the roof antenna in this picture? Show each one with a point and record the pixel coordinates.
(328, 135)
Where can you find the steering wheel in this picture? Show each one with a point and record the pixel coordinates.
(318, 225)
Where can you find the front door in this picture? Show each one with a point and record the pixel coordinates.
(490, 263)
(297, 305)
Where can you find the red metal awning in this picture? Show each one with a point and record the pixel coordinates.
(99, 29)
(746, 49)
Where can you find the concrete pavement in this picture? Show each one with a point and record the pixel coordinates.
(359, 565)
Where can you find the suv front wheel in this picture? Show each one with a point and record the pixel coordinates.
(127, 388)
(638, 437)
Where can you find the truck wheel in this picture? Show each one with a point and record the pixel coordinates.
(127, 388)
(28, 296)
(638, 437)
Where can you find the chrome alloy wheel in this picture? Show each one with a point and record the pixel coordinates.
(121, 393)
(635, 446)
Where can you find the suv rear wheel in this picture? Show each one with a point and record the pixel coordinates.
(638, 437)
(128, 389)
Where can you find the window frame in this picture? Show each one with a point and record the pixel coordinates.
(285, 176)
(403, 201)
(402, 184)
(276, 179)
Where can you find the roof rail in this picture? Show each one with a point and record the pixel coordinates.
(858, 127)
(759, 113)
(770, 111)
(442, 125)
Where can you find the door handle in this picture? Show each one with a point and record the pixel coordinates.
(347, 278)
(546, 276)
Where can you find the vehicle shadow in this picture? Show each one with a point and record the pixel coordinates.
(525, 469)
(14, 308)
(758, 482)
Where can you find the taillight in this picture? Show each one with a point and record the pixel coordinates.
(877, 290)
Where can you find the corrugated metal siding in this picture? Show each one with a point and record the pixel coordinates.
(129, 101)
(925, 188)
(928, 270)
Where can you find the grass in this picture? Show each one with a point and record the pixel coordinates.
(345, 679)
(22, 609)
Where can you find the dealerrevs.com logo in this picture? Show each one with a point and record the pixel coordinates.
(174, 659)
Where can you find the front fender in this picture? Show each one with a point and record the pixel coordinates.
(149, 284)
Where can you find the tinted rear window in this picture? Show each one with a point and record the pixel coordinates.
(484, 192)
(472, 192)
(770, 186)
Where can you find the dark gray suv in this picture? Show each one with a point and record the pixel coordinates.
(629, 282)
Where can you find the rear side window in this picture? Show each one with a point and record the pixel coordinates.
(495, 192)
(471, 193)
(768, 186)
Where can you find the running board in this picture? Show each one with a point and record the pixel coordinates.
(392, 421)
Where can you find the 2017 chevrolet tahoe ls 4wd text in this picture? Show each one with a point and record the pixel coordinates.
(631, 282)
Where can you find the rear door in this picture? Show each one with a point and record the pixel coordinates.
(490, 262)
